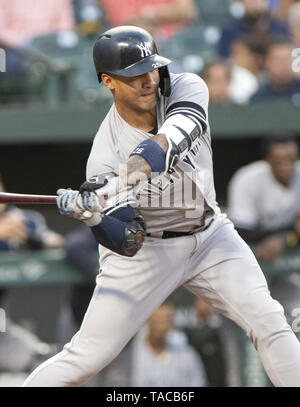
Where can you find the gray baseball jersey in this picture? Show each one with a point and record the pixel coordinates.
(214, 262)
(183, 201)
(257, 200)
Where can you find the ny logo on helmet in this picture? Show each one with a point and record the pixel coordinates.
(145, 49)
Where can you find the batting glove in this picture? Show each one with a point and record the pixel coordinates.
(108, 188)
(71, 203)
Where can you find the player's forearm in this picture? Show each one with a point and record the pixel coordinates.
(137, 169)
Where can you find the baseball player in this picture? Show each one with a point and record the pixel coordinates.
(150, 201)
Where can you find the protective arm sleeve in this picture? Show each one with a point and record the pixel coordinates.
(121, 230)
(182, 129)
(185, 122)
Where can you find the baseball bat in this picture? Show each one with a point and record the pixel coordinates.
(12, 198)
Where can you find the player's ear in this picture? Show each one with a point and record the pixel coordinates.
(108, 81)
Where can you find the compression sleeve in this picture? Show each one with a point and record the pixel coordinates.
(122, 230)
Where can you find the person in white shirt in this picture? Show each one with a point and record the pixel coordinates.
(162, 356)
(264, 205)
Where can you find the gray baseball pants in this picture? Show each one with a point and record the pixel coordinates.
(215, 264)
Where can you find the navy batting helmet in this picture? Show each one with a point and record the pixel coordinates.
(130, 51)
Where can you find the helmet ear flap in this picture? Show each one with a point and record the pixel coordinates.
(165, 82)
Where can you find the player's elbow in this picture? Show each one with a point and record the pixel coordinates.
(122, 237)
(133, 239)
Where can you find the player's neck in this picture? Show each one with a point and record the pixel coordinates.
(145, 121)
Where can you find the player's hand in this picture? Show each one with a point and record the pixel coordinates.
(270, 248)
(72, 203)
(105, 187)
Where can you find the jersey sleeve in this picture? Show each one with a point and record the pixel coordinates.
(243, 201)
(103, 157)
(189, 97)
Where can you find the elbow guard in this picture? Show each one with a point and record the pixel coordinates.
(134, 236)
(123, 231)
(182, 133)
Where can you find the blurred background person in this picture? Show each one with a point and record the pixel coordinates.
(162, 356)
(21, 230)
(206, 337)
(293, 20)
(280, 81)
(247, 61)
(256, 22)
(217, 76)
(264, 205)
(20, 22)
(281, 8)
(162, 18)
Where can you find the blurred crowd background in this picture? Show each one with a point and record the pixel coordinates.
(243, 48)
(248, 53)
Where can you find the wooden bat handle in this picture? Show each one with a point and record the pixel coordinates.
(11, 198)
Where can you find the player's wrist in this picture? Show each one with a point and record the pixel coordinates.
(152, 153)
(93, 220)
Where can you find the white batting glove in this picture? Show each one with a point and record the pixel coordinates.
(89, 201)
(70, 203)
(112, 189)
(109, 189)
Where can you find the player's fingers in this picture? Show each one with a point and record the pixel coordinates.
(61, 191)
(89, 201)
(66, 202)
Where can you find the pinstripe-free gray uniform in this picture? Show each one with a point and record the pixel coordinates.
(214, 262)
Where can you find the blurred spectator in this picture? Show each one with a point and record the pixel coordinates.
(162, 18)
(162, 356)
(217, 76)
(282, 8)
(206, 338)
(21, 230)
(264, 205)
(294, 23)
(89, 17)
(20, 21)
(256, 22)
(247, 59)
(280, 81)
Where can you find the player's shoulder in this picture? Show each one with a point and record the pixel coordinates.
(186, 78)
(105, 124)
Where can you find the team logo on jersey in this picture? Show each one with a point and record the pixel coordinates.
(156, 186)
(189, 158)
(145, 49)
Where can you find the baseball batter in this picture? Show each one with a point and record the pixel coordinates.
(150, 201)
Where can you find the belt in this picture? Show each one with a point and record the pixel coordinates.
(168, 234)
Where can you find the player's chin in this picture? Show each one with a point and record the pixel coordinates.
(147, 102)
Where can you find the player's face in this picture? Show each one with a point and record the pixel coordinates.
(282, 158)
(137, 93)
